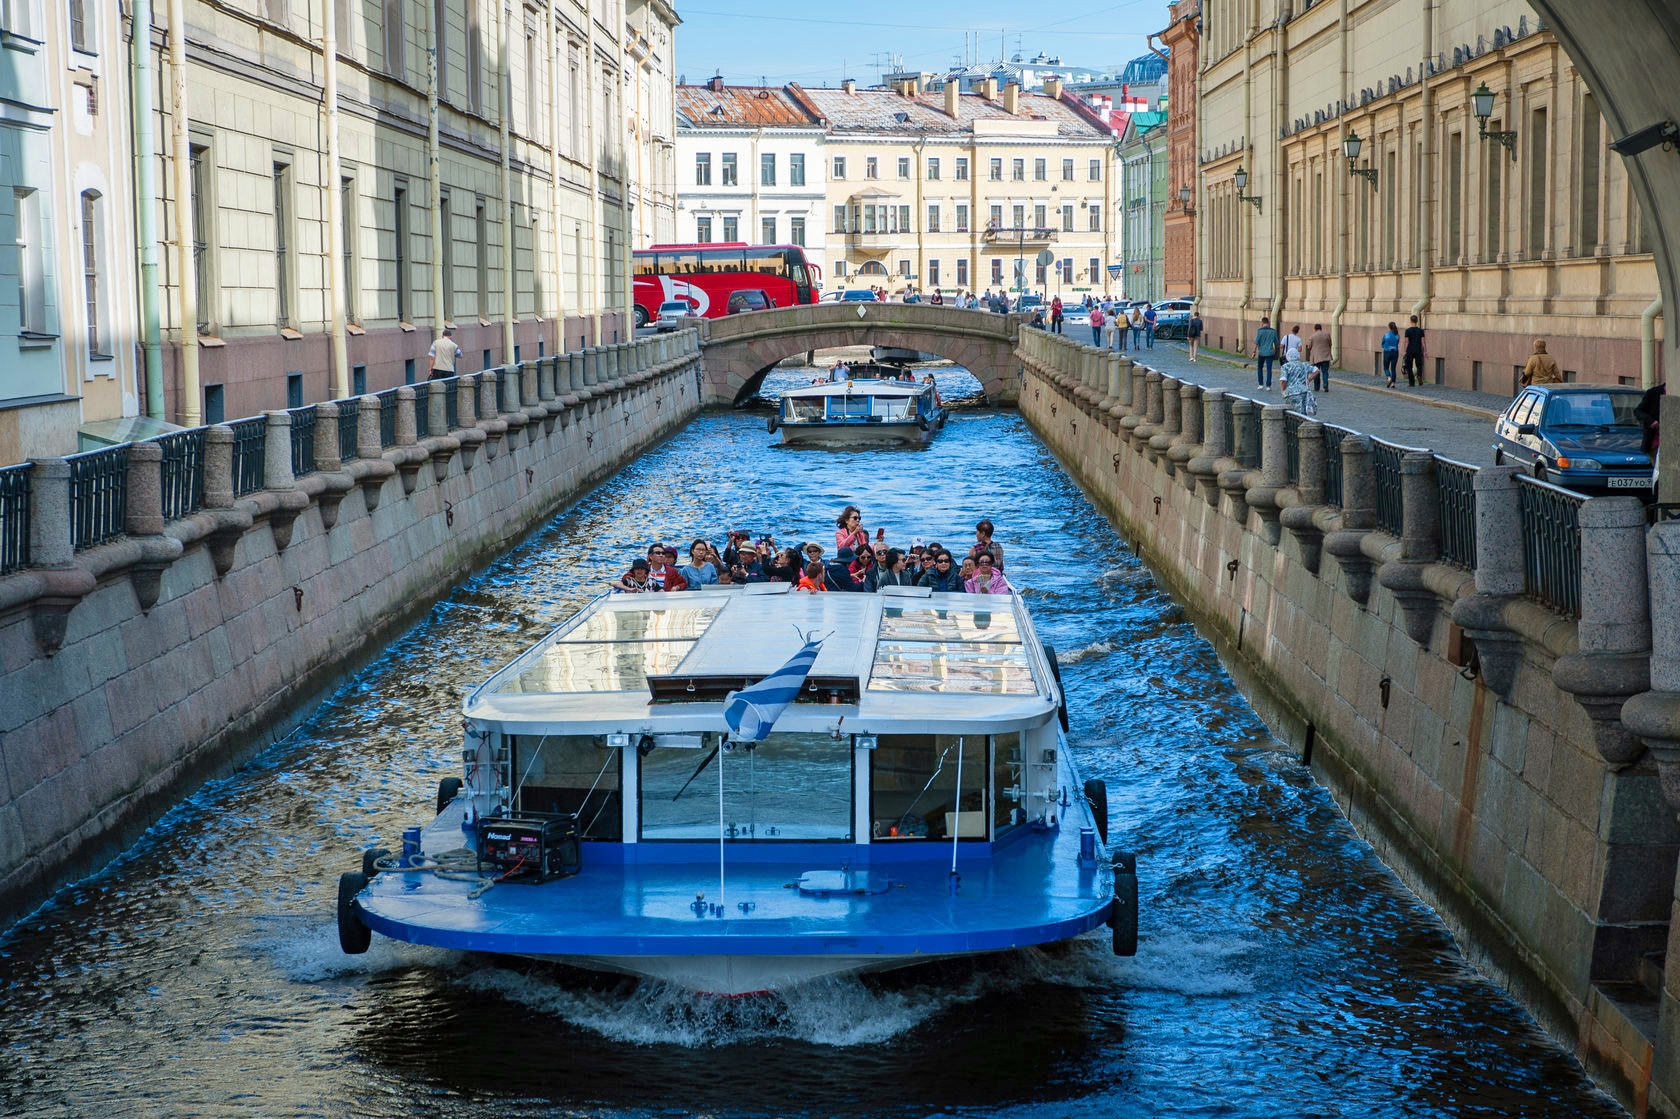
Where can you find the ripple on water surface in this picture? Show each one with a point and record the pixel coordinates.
(1282, 970)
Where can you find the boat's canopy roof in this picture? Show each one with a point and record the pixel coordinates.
(905, 660)
(859, 388)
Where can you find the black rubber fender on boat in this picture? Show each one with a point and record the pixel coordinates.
(1123, 915)
(1061, 692)
(353, 936)
(370, 857)
(1096, 791)
(448, 789)
(772, 423)
(922, 422)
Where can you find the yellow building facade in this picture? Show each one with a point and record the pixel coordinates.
(1492, 241)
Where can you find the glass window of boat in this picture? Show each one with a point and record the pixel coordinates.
(570, 775)
(789, 787)
(1007, 806)
(612, 650)
(916, 791)
(806, 408)
(891, 409)
(966, 625)
(967, 651)
(848, 407)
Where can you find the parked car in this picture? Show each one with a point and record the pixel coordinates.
(1581, 436)
(1028, 302)
(748, 299)
(1171, 315)
(849, 295)
(671, 314)
(1075, 314)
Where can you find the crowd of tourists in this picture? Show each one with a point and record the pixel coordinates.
(858, 562)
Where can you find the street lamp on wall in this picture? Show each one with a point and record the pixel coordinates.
(1482, 102)
(1241, 178)
(1184, 196)
(1350, 147)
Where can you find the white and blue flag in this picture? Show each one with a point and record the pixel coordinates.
(751, 712)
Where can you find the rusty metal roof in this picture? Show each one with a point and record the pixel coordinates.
(741, 106)
(887, 111)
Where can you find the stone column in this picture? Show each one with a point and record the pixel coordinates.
(52, 553)
(1655, 715)
(466, 399)
(1204, 467)
(144, 513)
(285, 499)
(1301, 519)
(1168, 428)
(1137, 410)
(1110, 381)
(1234, 470)
(1420, 545)
(546, 368)
(1500, 578)
(407, 426)
(218, 466)
(1612, 661)
(1274, 473)
(488, 382)
(326, 438)
(528, 392)
(369, 445)
(591, 369)
(1359, 517)
(1189, 440)
(437, 408)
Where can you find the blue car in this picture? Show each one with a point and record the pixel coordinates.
(1585, 437)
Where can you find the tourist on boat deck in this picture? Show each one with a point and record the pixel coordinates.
(813, 553)
(746, 569)
(813, 578)
(840, 372)
(863, 569)
(634, 581)
(983, 542)
(730, 554)
(785, 567)
(894, 571)
(662, 571)
(944, 577)
(699, 571)
(840, 571)
(987, 579)
(966, 570)
(849, 531)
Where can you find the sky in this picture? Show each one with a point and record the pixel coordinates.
(819, 44)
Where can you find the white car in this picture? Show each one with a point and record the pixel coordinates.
(671, 315)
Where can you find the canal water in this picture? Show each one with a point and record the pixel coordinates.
(1282, 971)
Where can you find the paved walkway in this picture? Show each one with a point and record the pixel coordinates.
(1456, 423)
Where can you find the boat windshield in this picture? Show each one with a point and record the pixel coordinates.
(807, 408)
(914, 791)
(791, 786)
(569, 775)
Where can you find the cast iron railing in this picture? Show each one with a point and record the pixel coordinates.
(98, 495)
(183, 472)
(1551, 542)
(1455, 483)
(348, 420)
(250, 439)
(422, 410)
(1251, 440)
(1292, 422)
(303, 441)
(387, 417)
(452, 403)
(14, 517)
(1333, 437)
(1391, 506)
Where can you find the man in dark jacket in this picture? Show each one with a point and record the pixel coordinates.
(839, 571)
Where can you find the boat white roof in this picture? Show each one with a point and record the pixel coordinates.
(904, 660)
(865, 386)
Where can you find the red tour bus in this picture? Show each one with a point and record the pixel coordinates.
(705, 275)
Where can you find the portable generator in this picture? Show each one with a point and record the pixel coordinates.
(529, 849)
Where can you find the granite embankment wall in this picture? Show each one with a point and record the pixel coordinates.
(244, 570)
(1451, 648)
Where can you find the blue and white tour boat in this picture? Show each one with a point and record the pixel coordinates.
(869, 405)
(741, 789)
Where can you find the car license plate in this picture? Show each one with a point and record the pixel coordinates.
(1630, 483)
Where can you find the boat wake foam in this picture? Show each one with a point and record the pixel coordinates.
(1097, 648)
(312, 955)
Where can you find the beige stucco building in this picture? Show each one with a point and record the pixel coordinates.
(67, 285)
(963, 190)
(329, 247)
(1490, 245)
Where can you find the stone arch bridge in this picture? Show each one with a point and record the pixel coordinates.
(738, 350)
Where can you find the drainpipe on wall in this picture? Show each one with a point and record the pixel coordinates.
(1426, 203)
(335, 214)
(1648, 343)
(504, 106)
(1246, 244)
(1342, 249)
(593, 170)
(434, 172)
(554, 187)
(1149, 221)
(1280, 83)
(186, 269)
(143, 115)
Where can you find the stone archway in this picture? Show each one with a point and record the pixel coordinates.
(737, 350)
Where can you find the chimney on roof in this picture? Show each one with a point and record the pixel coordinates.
(1011, 97)
(848, 86)
(953, 91)
(716, 84)
(987, 88)
(1053, 88)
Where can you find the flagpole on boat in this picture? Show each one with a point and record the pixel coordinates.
(723, 896)
(956, 830)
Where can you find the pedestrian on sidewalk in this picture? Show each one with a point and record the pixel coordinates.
(1149, 327)
(1296, 383)
(1098, 321)
(1391, 353)
(1265, 352)
(1193, 334)
(1542, 367)
(1136, 318)
(1292, 341)
(441, 357)
(1056, 315)
(1110, 325)
(1318, 348)
(1412, 366)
